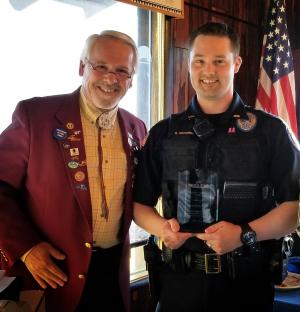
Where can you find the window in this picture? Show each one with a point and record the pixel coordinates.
(40, 52)
(41, 48)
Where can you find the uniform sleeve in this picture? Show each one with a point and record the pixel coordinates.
(17, 234)
(285, 164)
(147, 186)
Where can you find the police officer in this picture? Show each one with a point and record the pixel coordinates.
(228, 175)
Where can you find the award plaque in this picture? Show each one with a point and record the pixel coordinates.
(198, 198)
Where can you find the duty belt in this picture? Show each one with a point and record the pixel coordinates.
(261, 258)
(209, 262)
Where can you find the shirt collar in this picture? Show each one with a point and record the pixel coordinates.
(236, 109)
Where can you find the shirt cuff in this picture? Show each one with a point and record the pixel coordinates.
(23, 258)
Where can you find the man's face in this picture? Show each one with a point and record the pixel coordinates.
(105, 87)
(212, 66)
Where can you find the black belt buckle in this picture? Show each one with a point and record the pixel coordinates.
(212, 263)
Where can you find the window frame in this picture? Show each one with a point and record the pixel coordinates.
(156, 98)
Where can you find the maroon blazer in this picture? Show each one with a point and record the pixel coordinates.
(42, 200)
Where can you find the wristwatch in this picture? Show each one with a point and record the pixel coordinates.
(248, 236)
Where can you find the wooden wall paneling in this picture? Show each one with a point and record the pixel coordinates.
(247, 78)
(296, 10)
(249, 11)
(226, 7)
(256, 11)
(181, 30)
(243, 10)
(239, 9)
(197, 18)
(201, 3)
(181, 82)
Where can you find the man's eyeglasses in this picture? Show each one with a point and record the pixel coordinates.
(120, 73)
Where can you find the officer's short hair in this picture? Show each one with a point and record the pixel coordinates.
(219, 30)
(109, 34)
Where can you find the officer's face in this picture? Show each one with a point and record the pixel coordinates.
(212, 67)
(105, 84)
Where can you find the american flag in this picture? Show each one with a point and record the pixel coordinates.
(276, 87)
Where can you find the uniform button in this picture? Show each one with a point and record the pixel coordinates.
(88, 245)
(81, 276)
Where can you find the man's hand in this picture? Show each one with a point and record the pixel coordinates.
(171, 236)
(40, 264)
(222, 237)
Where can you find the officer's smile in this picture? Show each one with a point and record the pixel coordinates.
(209, 83)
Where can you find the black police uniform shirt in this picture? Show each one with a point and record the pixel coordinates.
(241, 145)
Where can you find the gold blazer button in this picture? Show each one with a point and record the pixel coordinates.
(88, 245)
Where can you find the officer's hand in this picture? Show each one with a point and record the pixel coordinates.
(40, 264)
(222, 237)
(171, 236)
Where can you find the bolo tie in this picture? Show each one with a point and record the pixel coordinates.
(103, 122)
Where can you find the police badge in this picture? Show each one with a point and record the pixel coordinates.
(247, 125)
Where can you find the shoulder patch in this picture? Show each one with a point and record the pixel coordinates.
(247, 125)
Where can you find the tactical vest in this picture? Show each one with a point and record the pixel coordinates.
(235, 153)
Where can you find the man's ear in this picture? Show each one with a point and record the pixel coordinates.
(81, 68)
(237, 64)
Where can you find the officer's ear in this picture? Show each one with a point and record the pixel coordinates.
(237, 64)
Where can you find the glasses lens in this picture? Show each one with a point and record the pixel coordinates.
(123, 75)
(103, 70)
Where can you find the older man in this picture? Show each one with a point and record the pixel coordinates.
(66, 166)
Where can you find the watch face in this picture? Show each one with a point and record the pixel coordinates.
(249, 238)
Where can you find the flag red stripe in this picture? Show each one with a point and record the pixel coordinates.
(274, 99)
(289, 101)
(263, 98)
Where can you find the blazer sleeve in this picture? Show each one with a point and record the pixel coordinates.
(17, 232)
